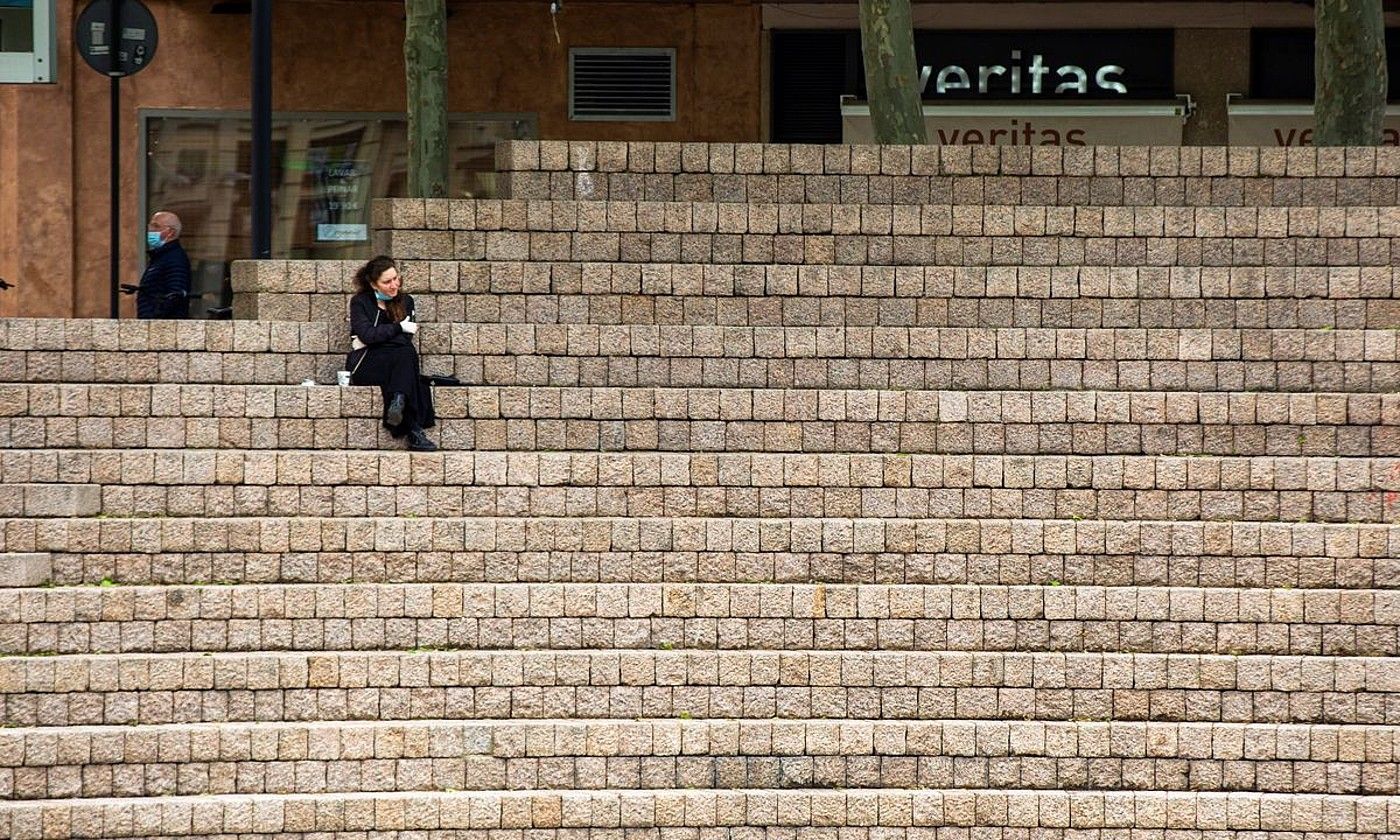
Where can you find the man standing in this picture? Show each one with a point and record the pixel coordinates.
(166, 282)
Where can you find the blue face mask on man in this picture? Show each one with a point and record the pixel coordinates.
(153, 240)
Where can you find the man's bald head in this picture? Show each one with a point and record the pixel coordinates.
(164, 220)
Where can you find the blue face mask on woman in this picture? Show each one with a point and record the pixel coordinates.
(153, 240)
(378, 295)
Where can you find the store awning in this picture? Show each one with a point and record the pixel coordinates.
(1284, 124)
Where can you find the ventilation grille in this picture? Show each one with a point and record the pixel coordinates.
(622, 84)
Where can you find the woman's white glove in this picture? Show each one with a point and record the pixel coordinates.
(356, 343)
(408, 326)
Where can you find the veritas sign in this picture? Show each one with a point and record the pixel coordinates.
(1068, 78)
(1046, 65)
(1008, 124)
(1284, 124)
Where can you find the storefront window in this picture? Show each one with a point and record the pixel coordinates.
(325, 171)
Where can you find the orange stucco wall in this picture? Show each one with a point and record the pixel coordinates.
(328, 55)
(36, 191)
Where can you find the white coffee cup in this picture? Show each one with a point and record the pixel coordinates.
(342, 377)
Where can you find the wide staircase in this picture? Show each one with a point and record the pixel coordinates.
(794, 492)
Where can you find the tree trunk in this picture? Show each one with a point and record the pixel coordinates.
(425, 57)
(1349, 67)
(891, 74)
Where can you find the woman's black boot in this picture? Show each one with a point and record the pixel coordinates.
(419, 442)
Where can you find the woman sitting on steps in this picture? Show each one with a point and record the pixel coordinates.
(381, 338)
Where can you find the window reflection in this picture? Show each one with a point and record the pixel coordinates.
(325, 171)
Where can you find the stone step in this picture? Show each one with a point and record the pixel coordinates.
(61, 416)
(443, 755)
(676, 291)
(238, 567)
(873, 187)
(647, 484)
(907, 374)
(865, 295)
(130, 689)
(362, 616)
(868, 310)
(891, 249)
(685, 356)
(871, 814)
(580, 550)
(58, 350)
(82, 348)
(636, 342)
(105, 337)
(752, 172)
(917, 358)
(765, 373)
(1097, 285)
(983, 219)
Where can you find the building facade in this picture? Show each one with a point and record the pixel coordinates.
(732, 71)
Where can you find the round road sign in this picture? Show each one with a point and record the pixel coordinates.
(136, 45)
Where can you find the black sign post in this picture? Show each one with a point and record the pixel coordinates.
(116, 38)
(260, 104)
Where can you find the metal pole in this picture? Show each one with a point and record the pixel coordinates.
(261, 181)
(114, 177)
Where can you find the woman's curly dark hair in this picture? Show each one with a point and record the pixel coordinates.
(371, 271)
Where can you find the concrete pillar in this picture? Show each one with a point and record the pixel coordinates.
(1211, 63)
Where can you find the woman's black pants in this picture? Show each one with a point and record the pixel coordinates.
(395, 370)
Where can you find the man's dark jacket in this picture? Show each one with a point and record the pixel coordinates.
(165, 283)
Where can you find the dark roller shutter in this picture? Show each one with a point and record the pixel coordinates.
(1281, 63)
(810, 73)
